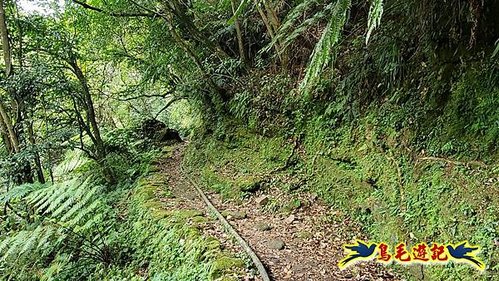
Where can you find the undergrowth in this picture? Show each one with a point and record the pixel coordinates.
(366, 174)
(80, 229)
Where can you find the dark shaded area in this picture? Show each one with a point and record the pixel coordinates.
(157, 131)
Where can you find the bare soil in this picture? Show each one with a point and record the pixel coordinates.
(312, 236)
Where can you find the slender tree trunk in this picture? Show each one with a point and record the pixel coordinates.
(275, 24)
(240, 42)
(265, 20)
(89, 109)
(272, 16)
(38, 162)
(7, 56)
(14, 141)
(93, 130)
(270, 29)
(23, 174)
(5, 136)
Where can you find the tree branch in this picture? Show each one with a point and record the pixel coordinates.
(111, 13)
(144, 96)
(166, 106)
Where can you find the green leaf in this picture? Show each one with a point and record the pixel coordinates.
(497, 49)
(374, 19)
(240, 10)
(322, 54)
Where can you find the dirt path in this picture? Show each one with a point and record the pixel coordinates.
(303, 245)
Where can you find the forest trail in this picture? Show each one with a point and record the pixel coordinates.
(303, 245)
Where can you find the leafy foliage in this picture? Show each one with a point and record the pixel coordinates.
(322, 54)
(374, 19)
(64, 214)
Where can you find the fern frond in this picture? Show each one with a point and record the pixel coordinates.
(290, 29)
(294, 16)
(46, 236)
(305, 25)
(76, 196)
(33, 238)
(73, 160)
(27, 242)
(322, 54)
(65, 194)
(41, 196)
(60, 208)
(374, 18)
(20, 191)
(92, 222)
(4, 243)
(79, 206)
(15, 244)
(496, 49)
(77, 220)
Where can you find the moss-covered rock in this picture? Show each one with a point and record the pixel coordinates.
(249, 184)
(224, 264)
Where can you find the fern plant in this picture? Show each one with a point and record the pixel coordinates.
(292, 28)
(496, 50)
(374, 18)
(67, 216)
(19, 192)
(322, 54)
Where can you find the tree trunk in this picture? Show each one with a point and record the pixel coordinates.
(240, 42)
(5, 41)
(275, 24)
(7, 56)
(270, 29)
(89, 110)
(272, 16)
(14, 141)
(23, 174)
(38, 162)
(94, 131)
(5, 136)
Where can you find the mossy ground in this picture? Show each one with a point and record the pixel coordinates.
(168, 243)
(371, 178)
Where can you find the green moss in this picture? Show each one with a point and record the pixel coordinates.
(368, 176)
(248, 184)
(219, 183)
(164, 228)
(212, 243)
(224, 264)
(292, 205)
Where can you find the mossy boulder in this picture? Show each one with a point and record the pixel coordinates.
(249, 184)
(225, 264)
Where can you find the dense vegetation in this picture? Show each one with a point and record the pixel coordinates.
(387, 110)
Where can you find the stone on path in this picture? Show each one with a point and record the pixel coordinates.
(276, 244)
(290, 219)
(263, 226)
(262, 200)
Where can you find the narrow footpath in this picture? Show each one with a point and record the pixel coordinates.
(303, 245)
